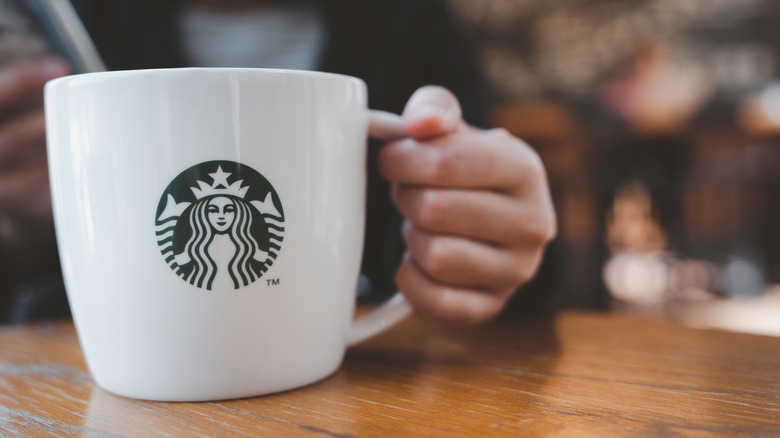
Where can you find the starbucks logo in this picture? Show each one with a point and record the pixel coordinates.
(219, 225)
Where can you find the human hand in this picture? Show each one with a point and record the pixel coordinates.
(24, 184)
(477, 208)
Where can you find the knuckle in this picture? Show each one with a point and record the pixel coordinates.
(530, 234)
(446, 307)
(442, 163)
(398, 194)
(535, 161)
(486, 310)
(523, 274)
(493, 308)
(543, 230)
(524, 158)
(526, 269)
(405, 278)
(452, 307)
(432, 209)
(392, 157)
(500, 135)
(401, 275)
(551, 231)
(530, 162)
(548, 226)
(407, 232)
(436, 258)
(528, 159)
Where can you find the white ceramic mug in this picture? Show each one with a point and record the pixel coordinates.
(210, 225)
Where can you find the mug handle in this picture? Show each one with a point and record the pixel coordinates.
(381, 126)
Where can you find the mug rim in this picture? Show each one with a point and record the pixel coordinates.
(118, 74)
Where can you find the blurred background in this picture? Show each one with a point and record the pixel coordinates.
(659, 123)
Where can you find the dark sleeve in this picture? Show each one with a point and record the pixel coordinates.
(397, 46)
(443, 55)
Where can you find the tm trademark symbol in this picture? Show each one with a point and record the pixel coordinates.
(273, 282)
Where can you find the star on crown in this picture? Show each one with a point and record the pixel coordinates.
(220, 186)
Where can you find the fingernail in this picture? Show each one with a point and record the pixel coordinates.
(426, 110)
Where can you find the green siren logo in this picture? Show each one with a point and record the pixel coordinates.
(219, 225)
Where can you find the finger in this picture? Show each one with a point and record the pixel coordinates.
(21, 136)
(383, 125)
(467, 159)
(471, 264)
(482, 215)
(21, 81)
(432, 111)
(445, 303)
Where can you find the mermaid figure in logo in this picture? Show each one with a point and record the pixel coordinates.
(221, 242)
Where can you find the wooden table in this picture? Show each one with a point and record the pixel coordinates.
(571, 375)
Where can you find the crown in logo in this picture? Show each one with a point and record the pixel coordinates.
(220, 186)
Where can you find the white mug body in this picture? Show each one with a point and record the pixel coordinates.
(210, 225)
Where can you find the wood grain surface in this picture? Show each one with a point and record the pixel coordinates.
(570, 375)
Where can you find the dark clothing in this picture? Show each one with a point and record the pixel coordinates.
(395, 46)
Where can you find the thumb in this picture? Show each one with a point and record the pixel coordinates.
(432, 111)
